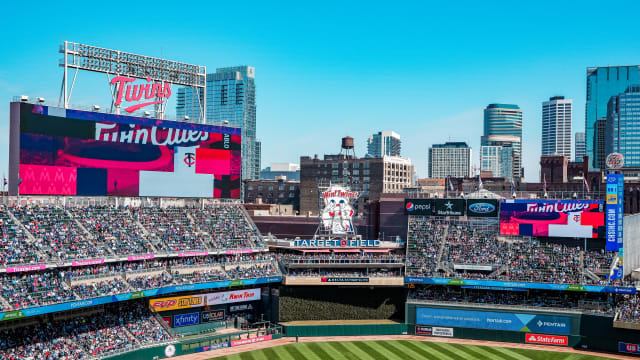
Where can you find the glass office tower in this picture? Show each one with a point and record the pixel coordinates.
(231, 100)
(505, 120)
(556, 126)
(623, 126)
(603, 83)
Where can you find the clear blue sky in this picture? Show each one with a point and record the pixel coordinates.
(329, 69)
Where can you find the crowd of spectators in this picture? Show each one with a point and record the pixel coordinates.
(629, 309)
(34, 289)
(340, 258)
(115, 227)
(252, 271)
(16, 247)
(513, 298)
(515, 260)
(54, 233)
(119, 326)
(113, 286)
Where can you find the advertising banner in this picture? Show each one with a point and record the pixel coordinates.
(419, 207)
(228, 297)
(344, 279)
(251, 340)
(449, 207)
(442, 331)
(424, 330)
(335, 243)
(547, 339)
(553, 218)
(191, 301)
(71, 152)
(221, 345)
(628, 348)
(494, 320)
(238, 308)
(483, 207)
(615, 211)
(514, 285)
(186, 319)
(214, 315)
(176, 303)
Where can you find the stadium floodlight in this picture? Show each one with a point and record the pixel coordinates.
(96, 107)
(40, 99)
(24, 98)
(78, 57)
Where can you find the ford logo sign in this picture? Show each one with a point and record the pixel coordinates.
(481, 208)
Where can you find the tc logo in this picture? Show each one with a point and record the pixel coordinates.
(190, 159)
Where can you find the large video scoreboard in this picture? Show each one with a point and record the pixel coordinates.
(56, 151)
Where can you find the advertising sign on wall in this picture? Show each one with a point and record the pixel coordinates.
(72, 152)
(482, 207)
(547, 339)
(494, 320)
(449, 207)
(615, 211)
(553, 218)
(418, 207)
(214, 315)
(186, 319)
(191, 301)
(337, 211)
(628, 348)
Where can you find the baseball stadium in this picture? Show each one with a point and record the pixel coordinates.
(124, 237)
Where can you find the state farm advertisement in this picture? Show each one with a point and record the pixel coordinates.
(191, 301)
(547, 339)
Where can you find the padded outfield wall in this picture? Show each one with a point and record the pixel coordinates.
(482, 323)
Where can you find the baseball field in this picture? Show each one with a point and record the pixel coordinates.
(400, 350)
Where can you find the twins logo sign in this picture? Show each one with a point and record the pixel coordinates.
(190, 159)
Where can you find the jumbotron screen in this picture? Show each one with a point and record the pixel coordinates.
(553, 218)
(70, 152)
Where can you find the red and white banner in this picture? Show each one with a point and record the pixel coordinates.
(547, 339)
(250, 341)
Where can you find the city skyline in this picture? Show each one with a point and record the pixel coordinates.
(331, 79)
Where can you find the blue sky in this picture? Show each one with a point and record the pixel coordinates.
(329, 69)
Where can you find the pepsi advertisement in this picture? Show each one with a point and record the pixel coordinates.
(422, 207)
(545, 324)
(482, 207)
(57, 151)
(553, 218)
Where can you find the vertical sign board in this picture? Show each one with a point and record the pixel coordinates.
(615, 211)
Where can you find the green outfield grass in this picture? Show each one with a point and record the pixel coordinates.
(398, 349)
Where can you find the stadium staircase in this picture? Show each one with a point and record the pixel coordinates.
(443, 243)
(5, 303)
(19, 223)
(154, 241)
(590, 274)
(499, 271)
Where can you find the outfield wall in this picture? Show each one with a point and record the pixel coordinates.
(492, 323)
(345, 330)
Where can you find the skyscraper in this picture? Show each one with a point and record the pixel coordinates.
(556, 126)
(449, 159)
(600, 133)
(580, 150)
(231, 100)
(623, 126)
(502, 120)
(383, 143)
(496, 155)
(603, 83)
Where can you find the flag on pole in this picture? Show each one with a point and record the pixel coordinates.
(479, 183)
(513, 189)
(585, 184)
(450, 185)
(544, 183)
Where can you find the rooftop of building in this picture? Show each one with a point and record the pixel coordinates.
(451, 144)
(503, 106)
